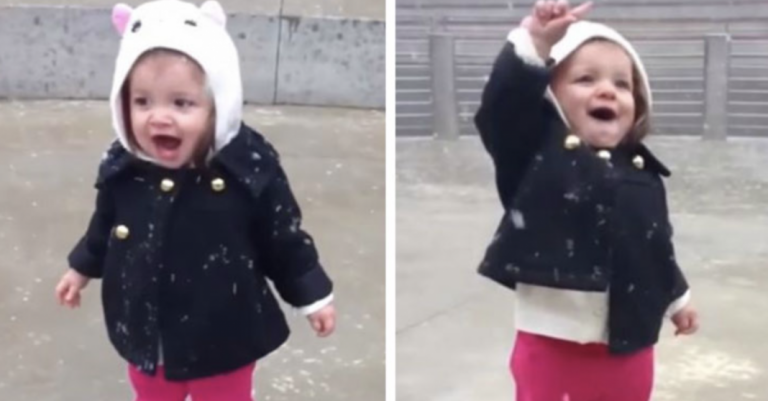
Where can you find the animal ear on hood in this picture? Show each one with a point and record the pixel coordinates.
(212, 9)
(121, 14)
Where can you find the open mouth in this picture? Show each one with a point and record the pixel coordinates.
(603, 114)
(166, 142)
(167, 146)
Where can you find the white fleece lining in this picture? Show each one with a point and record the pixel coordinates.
(524, 47)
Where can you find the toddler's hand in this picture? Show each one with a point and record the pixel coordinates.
(550, 20)
(686, 321)
(68, 289)
(323, 321)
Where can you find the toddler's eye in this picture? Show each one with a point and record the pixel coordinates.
(584, 79)
(140, 101)
(182, 103)
(623, 84)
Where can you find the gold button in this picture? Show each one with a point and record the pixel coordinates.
(121, 232)
(166, 185)
(572, 142)
(639, 162)
(604, 154)
(217, 184)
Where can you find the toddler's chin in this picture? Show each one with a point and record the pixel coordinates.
(174, 163)
(603, 140)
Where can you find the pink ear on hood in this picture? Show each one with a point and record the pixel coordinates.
(121, 14)
(213, 10)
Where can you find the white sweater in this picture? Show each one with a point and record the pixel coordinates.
(570, 315)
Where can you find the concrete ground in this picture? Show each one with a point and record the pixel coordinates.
(375, 9)
(455, 329)
(48, 160)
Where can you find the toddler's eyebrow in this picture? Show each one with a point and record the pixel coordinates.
(183, 94)
(137, 92)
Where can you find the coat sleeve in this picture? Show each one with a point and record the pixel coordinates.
(87, 257)
(680, 290)
(288, 253)
(510, 118)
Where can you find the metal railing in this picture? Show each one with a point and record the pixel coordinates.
(446, 111)
(707, 61)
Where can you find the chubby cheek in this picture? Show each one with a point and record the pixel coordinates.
(196, 126)
(577, 117)
(197, 130)
(628, 113)
(139, 128)
(137, 122)
(573, 104)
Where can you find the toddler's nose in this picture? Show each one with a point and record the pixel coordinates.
(160, 118)
(606, 90)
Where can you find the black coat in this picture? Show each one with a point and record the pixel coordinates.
(574, 220)
(193, 268)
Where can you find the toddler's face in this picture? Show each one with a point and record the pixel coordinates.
(171, 113)
(594, 87)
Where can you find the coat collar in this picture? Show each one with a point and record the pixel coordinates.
(248, 157)
(652, 162)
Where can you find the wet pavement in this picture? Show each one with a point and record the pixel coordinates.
(48, 158)
(374, 9)
(455, 329)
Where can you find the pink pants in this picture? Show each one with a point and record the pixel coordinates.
(547, 369)
(232, 386)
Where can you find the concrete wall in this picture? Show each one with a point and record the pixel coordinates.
(375, 9)
(69, 52)
(331, 61)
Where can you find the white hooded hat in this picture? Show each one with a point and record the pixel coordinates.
(198, 32)
(577, 34)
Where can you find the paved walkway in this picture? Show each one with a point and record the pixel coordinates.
(455, 329)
